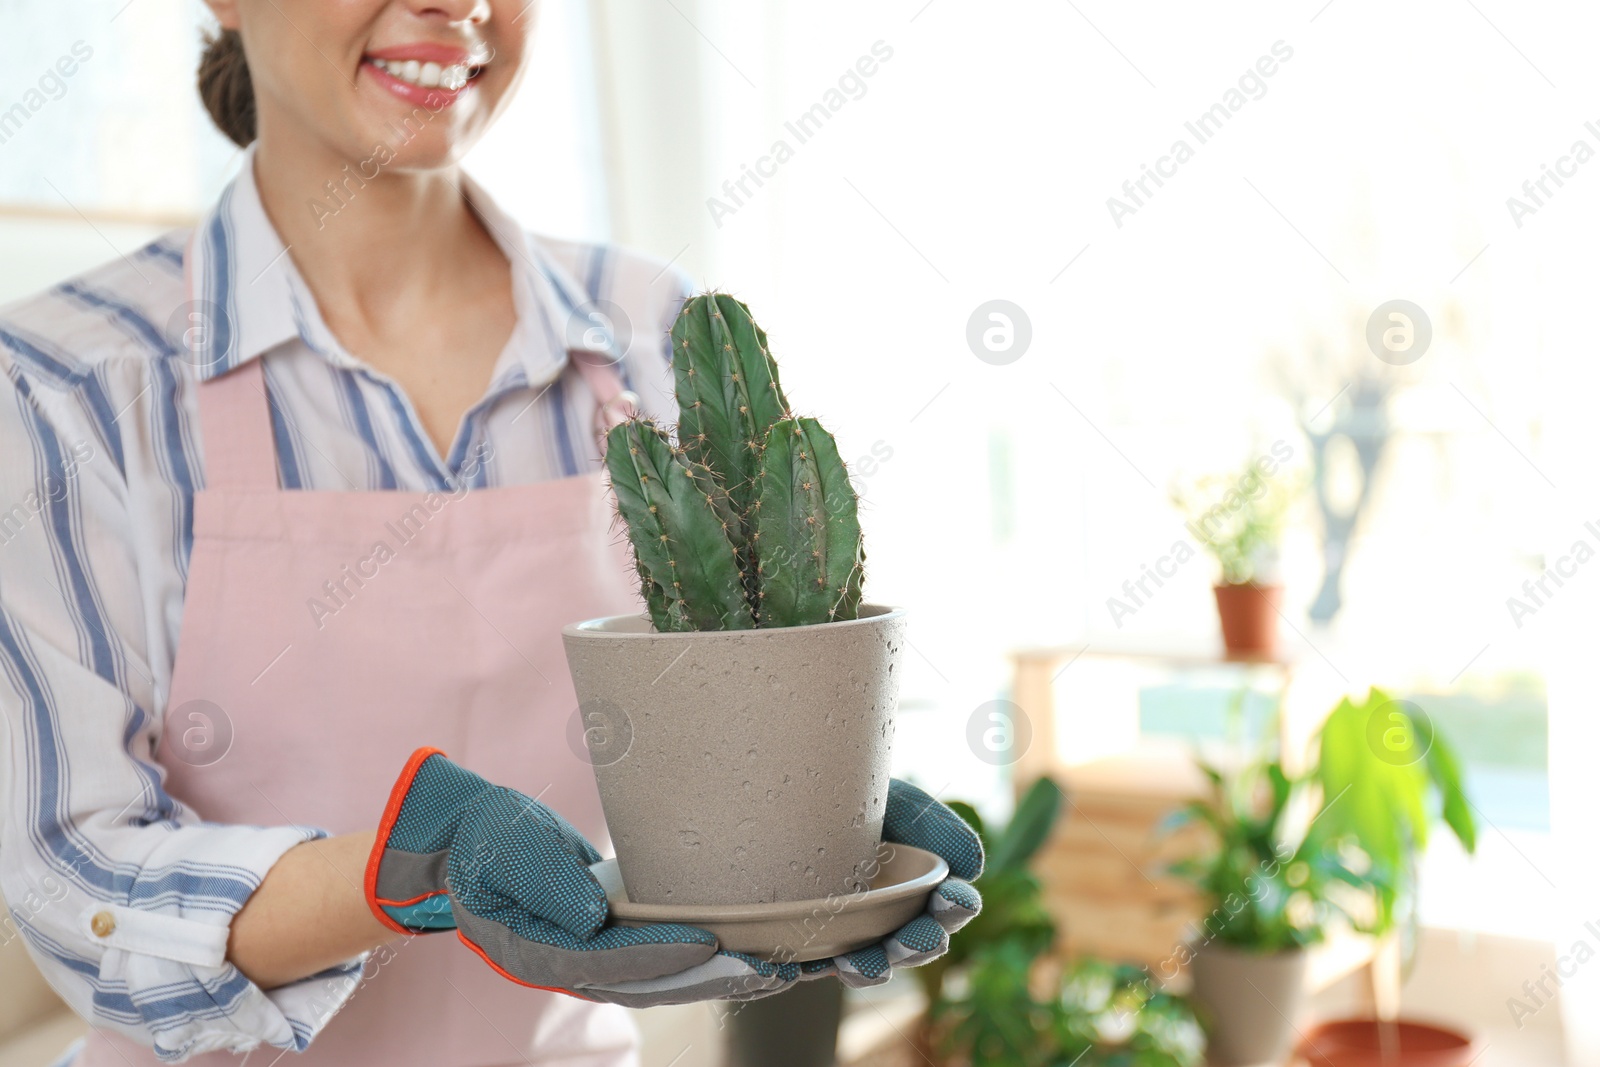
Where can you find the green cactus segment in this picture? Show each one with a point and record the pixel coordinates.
(662, 616)
(734, 522)
(728, 391)
(679, 523)
(807, 534)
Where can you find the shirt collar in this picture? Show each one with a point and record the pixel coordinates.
(247, 293)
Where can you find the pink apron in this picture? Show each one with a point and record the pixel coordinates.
(339, 631)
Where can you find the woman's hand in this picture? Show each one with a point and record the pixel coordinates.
(512, 878)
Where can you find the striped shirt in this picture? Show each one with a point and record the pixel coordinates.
(100, 457)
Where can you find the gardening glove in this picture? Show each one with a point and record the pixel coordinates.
(510, 876)
(911, 817)
(914, 818)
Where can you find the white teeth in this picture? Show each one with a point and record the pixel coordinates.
(427, 75)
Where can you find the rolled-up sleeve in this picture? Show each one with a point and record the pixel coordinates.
(123, 895)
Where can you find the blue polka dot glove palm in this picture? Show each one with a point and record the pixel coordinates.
(511, 877)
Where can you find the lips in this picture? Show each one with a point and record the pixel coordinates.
(431, 75)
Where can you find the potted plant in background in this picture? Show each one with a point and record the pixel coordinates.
(1240, 521)
(1293, 855)
(999, 998)
(1386, 774)
(1265, 890)
(759, 693)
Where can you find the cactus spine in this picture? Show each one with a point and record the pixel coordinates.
(752, 520)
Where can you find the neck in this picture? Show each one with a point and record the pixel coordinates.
(362, 235)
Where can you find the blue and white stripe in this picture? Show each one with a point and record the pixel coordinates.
(100, 457)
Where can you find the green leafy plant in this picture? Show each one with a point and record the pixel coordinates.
(1095, 1014)
(1277, 872)
(1239, 518)
(1013, 906)
(1266, 886)
(1115, 1017)
(1386, 773)
(994, 1001)
(750, 519)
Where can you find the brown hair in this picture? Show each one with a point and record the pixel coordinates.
(225, 87)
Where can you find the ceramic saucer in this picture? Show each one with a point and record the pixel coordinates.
(794, 931)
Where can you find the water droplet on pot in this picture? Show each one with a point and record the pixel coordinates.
(811, 872)
(689, 838)
(794, 865)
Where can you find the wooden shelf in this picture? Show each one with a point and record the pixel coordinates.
(1171, 651)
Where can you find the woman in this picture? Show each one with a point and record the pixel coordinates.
(298, 495)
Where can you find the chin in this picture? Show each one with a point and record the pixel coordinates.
(428, 153)
(393, 145)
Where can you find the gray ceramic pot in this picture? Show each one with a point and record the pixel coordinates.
(1250, 1000)
(740, 767)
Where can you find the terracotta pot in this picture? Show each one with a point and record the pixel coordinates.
(1249, 1001)
(1370, 1043)
(1249, 616)
(740, 767)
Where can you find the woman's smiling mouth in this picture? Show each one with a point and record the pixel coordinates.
(432, 75)
(429, 75)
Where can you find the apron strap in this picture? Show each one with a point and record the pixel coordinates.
(616, 404)
(236, 426)
(236, 422)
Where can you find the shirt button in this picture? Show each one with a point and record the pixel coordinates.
(103, 924)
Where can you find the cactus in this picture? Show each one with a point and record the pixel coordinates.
(728, 392)
(807, 536)
(680, 524)
(728, 397)
(752, 520)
